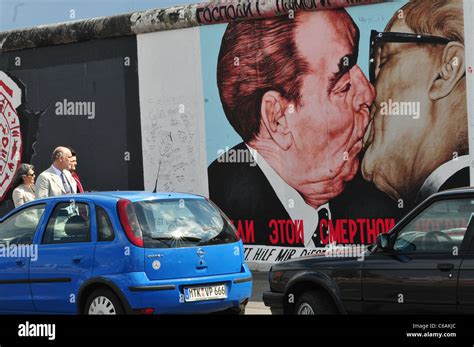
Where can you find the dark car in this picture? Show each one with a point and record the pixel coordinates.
(425, 264)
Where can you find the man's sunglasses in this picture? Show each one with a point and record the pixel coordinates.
(376, 38)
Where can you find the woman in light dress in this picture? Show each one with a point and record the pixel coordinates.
(24, 185)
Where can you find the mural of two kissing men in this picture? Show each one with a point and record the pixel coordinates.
(338, 155)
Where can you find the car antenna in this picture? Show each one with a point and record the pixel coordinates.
(157, 175)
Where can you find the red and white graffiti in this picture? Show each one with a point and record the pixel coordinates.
(10, 134)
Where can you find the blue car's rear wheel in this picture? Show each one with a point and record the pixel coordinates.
(103, 301)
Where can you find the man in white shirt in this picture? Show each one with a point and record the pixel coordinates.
(57, 180)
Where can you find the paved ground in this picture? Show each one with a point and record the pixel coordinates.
(260, 284)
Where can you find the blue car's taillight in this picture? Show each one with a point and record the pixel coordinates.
(129, 222)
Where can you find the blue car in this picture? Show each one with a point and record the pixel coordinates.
(121, 253)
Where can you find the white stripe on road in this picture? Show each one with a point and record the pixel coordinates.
(254, 307)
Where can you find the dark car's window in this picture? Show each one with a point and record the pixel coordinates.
(20, 228)
(105, 231)
(183, 223)
(440, 228)
(69, 222)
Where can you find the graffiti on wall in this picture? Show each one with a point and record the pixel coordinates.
(10, 132)
(307, 128)
(341, 153)
(231, 10)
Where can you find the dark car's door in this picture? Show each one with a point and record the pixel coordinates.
(17, 251)
(419, 271)
(66, 255)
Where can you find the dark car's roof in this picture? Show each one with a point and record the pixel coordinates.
(455, 191)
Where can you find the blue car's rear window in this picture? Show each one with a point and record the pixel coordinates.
(183, 223)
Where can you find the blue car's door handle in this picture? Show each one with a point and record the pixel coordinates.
(77, 259)
(20, 262)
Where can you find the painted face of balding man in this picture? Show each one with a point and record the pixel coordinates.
(319, 140)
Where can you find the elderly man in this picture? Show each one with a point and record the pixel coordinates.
(417, 143)
(301, 107)
(57, 180)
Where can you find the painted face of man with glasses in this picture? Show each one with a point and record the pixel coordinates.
(419, 117)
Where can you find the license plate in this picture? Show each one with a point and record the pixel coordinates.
(205, 293)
